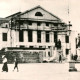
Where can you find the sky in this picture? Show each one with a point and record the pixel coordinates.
(57, 7)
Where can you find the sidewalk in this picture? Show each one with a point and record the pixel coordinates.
(40, 71)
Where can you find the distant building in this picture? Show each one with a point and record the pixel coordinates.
(35, 28)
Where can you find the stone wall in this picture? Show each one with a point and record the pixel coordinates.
(23, 56)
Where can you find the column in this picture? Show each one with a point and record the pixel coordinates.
(34, 33)
(9, 39)
(13, 42)
(51, 37)
(25, 34)
(43, 37)
(17, 37)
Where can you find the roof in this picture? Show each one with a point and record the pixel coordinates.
(15, 14)
(2, 20)
(41, 8)
(21, 13)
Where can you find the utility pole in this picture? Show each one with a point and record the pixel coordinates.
(11, 22)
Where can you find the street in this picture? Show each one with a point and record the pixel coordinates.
(40, 71)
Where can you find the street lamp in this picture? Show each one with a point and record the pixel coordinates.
(69, 31)
(68, 49)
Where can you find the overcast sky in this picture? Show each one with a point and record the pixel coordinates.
(57, 7)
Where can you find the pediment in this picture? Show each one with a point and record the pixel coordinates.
(39, 13)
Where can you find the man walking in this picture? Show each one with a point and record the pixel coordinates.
(16, 64)
(60, 58)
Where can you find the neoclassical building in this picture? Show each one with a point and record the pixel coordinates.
(35, 29)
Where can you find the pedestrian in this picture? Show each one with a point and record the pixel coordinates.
(16, 64)
(5, 66)
(72, 57)
(75, 57)
(59, 44)
(60, 58)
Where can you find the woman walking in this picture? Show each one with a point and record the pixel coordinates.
(5, 67)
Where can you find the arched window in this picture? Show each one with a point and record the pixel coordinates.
(38, 14)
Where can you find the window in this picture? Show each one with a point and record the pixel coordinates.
(47, 24)
(30, 23)
(29, 36)
(30, 47)
(55, 36)
(21, 46)
(6, 25)
(39, 36)
(49, 47)
(40, 46)
(67, 39)
(49, 54)
(67, 51)
(47, 36)
(38, 23)
(21, 22)
(21, 36)
(4, 36)
(55, 24)
(38, 14)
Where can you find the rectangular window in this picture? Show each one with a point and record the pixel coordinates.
(4, 36)
(55, 24)
(49, 47)
(21, 36)
(47, 36)
(55, 37)
(29, 36)
(67, 51)
(49, 54)
(22, 46)
(30, 23)
(47, 24)
(38, 24)
(31, 47)
(67, 39)
(40, 46)
(39, 36)
(21, 22)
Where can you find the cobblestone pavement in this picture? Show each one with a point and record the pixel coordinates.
(40, 71)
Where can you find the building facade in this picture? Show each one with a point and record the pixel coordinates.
(36, 28)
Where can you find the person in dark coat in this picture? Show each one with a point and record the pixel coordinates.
(72, 57)
(59, 44)
(16, 64)
(75, 57)
(5, 66)
(60, 58)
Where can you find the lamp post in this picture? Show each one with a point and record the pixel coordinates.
(69, 31)
(68, 41)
